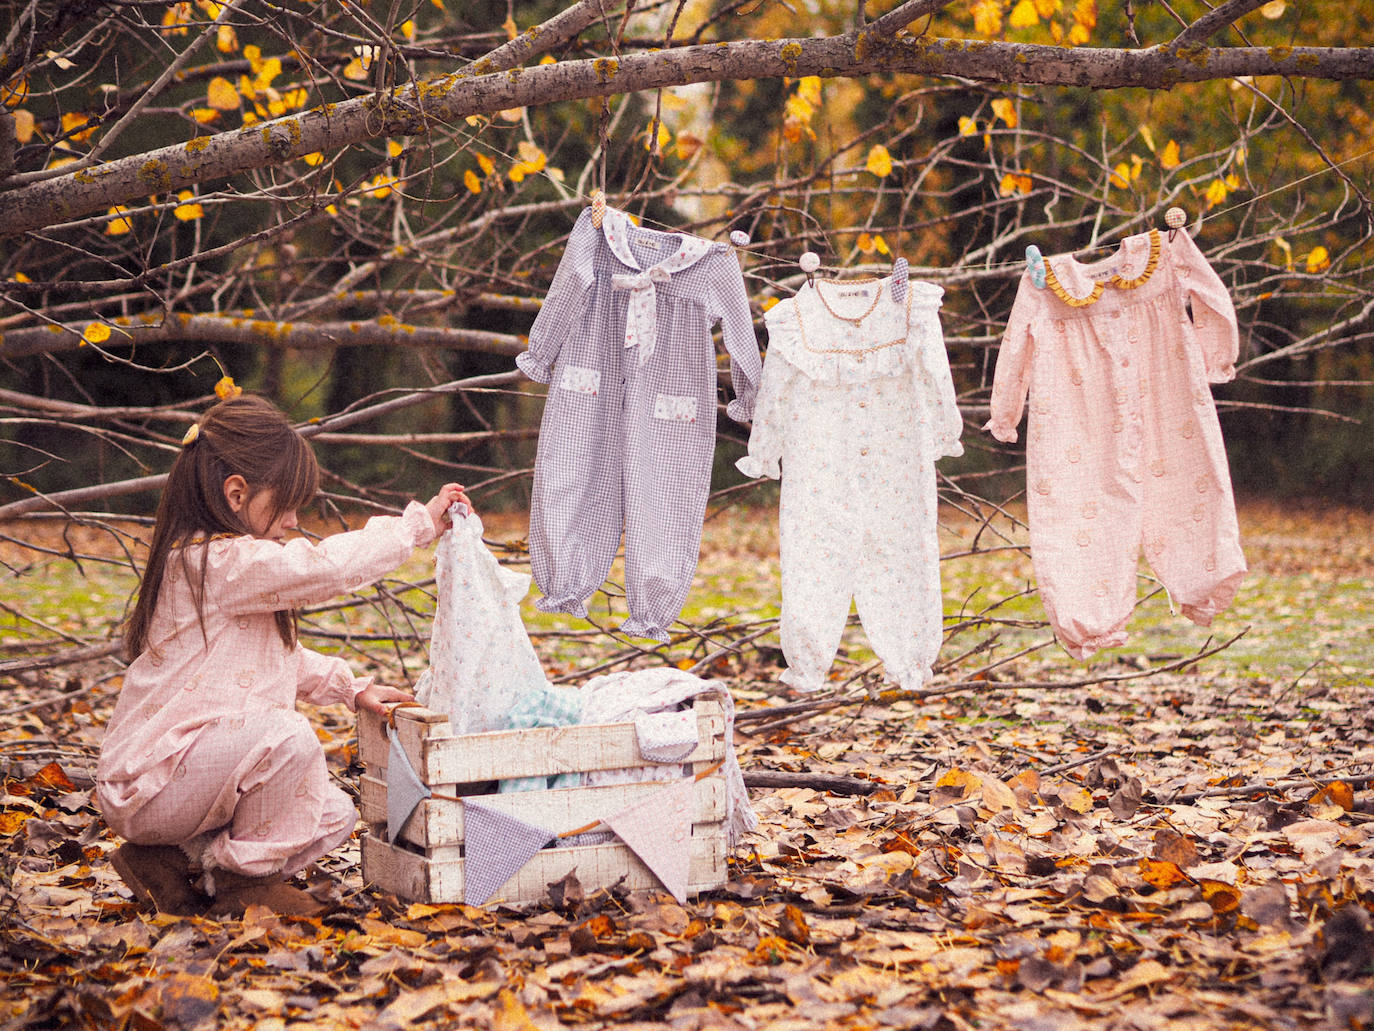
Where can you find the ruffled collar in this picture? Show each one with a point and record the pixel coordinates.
(831, 341)
(1081, 284)
(687, 250)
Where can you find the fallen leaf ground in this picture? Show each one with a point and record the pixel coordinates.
(1192, 849)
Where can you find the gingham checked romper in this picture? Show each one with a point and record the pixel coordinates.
(628, 434)
(1123, 447)
(857, 414)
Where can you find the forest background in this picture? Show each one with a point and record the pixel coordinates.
(355, 208)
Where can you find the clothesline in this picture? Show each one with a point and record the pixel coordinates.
(768, 256)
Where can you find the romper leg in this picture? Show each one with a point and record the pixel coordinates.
(1190, 533)
(817, 558)
(670, 419)
(898, 591)
(576, 509)
(1083, 498)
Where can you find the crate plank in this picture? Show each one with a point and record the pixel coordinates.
(440, 879)
(437, 822)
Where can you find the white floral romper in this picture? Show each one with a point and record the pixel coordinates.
(629, 427)
(857, 402)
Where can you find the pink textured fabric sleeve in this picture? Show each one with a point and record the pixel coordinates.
(247, 575)
(326, 679)
(1011, 380)
(1214, 315)
(563, 305)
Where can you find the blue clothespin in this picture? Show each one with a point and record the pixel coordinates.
(1035, 262)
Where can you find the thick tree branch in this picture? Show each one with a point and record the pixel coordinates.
(413, 109)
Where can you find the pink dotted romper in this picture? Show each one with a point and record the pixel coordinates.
(1124, 450)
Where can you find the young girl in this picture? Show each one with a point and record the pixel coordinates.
(216, 781)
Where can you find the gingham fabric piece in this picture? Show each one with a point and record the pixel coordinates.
(495, 846)
(659, 831)
(666, 737)
(854, 427)
(605, 463)
(404, 788)
(1123, 445)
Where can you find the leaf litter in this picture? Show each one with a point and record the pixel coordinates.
(1193, 849)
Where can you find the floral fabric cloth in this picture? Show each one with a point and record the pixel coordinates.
(1123, 448)
(629, 425)
(856, 405)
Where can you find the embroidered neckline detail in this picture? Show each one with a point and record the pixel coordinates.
(857, 353)
(1116, 280)
(853, 320)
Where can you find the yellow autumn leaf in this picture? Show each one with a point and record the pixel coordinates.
(96, 333)
(118, 224)
(799, 108)
(226, 389)
(471, 181)
(512, 30)
(226, 39)
(1274, 9)
(355, 70)
(19, 277)
(268, 71)
(14, 92)
(1170, 158)
(880, 245)
(879, 161)
(1148, 137)
(438, 3)
(1013, 183)
(768, 303)
(1004, 109)
(865, 243)
(394, 148)
(1085, 14)
(1023, 15)
(221, 95)
(485, 164)
(809, 89)
(246, 88)
(174, 19)
(252, 53)
(987, 17)
(204, 115)
(1318, 260)
(313, 159)
(1216, 192)
(249, 118)
(189, 209)
(655, 139)
(672, 102)
(967, 126)
(1121, 176)
(1047, 8)
(1078, 35)
(687, 145)
(381, 187)
(72, 123)
(60, 162)
(548, 59)
(408, 29)
(332, 209)
(23, 125)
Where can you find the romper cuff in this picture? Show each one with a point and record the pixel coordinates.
(1006, 434)
(417, 524)
(740, 410)
(1222, 375)
(755, 468)
(534, 368)
(636, 627)
(952, 447)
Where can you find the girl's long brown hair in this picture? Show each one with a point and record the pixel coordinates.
(246, 435)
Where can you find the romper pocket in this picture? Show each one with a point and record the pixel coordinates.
(675, 408)
(580, 380)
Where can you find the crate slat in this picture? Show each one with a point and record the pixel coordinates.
(438, 822)
(440, 878)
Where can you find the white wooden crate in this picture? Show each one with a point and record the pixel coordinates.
(425, 864)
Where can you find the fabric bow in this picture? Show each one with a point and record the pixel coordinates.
(641, 315)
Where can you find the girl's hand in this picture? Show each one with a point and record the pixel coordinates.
(375, 697)
(438, 506)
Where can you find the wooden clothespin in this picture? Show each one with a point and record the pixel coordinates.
(1175, 219)
(809, 262)
(598, 207)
